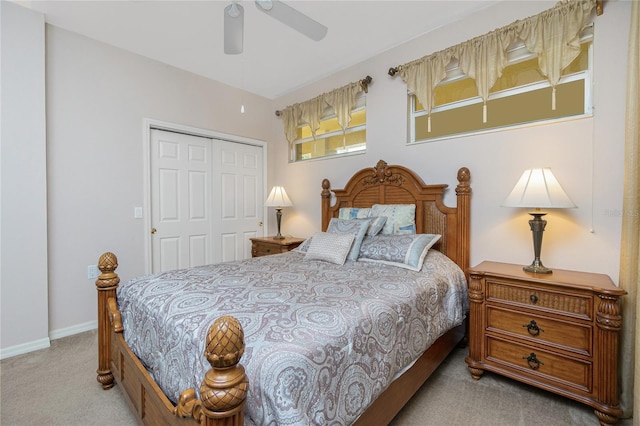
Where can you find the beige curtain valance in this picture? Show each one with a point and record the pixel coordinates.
(342, 100)
(554, 35)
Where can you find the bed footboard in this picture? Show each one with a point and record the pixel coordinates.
(223, 390)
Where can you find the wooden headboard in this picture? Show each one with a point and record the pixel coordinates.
(392, 184)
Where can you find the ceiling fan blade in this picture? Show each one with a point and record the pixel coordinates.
(233, 29)
(292, 18)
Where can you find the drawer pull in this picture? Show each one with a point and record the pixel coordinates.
(533, 328)
(533, 362)
(268, 250)
(533, 298)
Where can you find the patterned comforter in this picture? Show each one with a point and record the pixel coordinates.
(322, 340)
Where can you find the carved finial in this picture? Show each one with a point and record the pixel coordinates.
(381, 174)
(225, 386)
(225, 342)
(381, 171)
(464, 176)
(326, 189)
(107, 264)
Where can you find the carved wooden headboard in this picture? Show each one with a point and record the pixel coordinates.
(392, 184)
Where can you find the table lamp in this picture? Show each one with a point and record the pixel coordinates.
(538, 188)
(278, 198)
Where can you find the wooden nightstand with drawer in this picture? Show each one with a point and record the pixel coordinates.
(556, 331)
(264, 246)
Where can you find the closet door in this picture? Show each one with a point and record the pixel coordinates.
(206, 199)
(181, 173)
(238, 199)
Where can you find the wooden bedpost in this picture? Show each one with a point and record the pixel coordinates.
(225, 386)
(224, 389)
(326, 203)
(463, 194)
(107, 283)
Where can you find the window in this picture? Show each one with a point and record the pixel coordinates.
(330, 140)
(521, 95)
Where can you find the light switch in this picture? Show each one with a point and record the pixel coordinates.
(137, 213)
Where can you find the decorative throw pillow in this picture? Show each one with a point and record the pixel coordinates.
(404, 214)
(404, 228)
(363, 213)
(302, 248)
(329, 247)
(353, 213)
(404, 251)
(357, 227)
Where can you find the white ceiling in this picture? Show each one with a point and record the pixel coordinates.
(276, 59)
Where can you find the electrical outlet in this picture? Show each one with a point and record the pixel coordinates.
(92, 272)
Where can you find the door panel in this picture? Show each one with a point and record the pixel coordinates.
(180, 200)
(241, 196)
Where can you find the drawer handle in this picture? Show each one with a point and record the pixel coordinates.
(533, 298)
(533, 328)
(268, 250)
(533, 362)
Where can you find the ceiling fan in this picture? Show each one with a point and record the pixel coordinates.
(234, 23)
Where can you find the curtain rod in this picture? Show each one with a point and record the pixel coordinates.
(599, 11)
(364, 83)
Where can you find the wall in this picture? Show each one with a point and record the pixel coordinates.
(97, 99)
(23, 187)
(585, 154)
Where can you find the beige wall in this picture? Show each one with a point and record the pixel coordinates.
(97, 99)
(23, 186)
(586, 155)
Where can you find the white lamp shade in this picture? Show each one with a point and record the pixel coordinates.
(538, 188)
(278, 198)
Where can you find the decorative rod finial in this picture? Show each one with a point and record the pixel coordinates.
(365, 82)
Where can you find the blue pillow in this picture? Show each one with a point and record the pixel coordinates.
(405, 251)
(356, 227)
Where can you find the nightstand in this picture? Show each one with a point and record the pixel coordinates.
(556, 331)
(264, 246)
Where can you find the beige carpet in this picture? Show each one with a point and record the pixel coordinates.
(37, 389)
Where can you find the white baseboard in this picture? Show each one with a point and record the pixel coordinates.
(24, 348)
(46, 342)
(70, 331)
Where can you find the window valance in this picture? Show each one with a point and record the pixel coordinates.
(342, 100)
(554, 35)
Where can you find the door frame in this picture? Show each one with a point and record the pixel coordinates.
(147, 125)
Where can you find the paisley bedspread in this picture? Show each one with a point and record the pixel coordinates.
(322, 340)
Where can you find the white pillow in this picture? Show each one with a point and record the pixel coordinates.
(402, 214)
(329, 247)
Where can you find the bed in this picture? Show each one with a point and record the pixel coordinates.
(225, 389)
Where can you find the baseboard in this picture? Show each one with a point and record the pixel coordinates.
(24, 348)
(70, 331)
(46, 342)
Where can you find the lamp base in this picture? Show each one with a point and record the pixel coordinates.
(278, 220)
(537, 268)
(537, 225)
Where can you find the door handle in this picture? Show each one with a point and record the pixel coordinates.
(260, 224)
(154, 230)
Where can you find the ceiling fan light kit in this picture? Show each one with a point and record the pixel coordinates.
(234, 23)
(233, 28)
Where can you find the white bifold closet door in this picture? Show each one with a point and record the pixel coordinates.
(206, 199)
